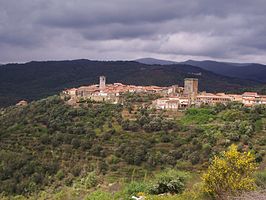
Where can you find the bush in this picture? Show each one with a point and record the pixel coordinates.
(245, 139)
(231, 115)
(170, 181)
(75, 142)
(234, 137)
(85, 145)
(134, 188)
(89, 181)
(102, 167)
(258, 125)
(260, 179)
(198, 116)
(258, 157)
(230, 173)
(166, 138)
(194, 193)
(99, 195)
(194, 158)
(60, 174)
(207, 148)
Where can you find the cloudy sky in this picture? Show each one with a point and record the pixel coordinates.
(228, 30)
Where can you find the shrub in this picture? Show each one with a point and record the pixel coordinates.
(89, 181)
(260, 179)
(45, 139)
(258, 157)
(99, 195)
(75, 170)
(245, 139)
(134, 188)
(134, 126)
(234, 136)
(96, 150)
(194, 193)
(166, 139)
(60, 174)
(85, 145)
(154, 159)
(198, 116)
(170, 181)
(258, 125)
(102, 167)
(207, 149)
(75, 142)
(132, 154)
(112, 159)
(194, 158)
(231, 115)
(230, 173)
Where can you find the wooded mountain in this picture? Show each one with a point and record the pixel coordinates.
(35, 80)
(249, 71)
(153, 61)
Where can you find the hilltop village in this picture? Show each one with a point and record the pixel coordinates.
(171, 98)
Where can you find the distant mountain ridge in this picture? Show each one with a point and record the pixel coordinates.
(249, 71)
(36, 80)
(153, 61)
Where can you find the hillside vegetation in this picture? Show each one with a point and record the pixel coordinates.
(248, 71)
(113, 150)
(36, 80)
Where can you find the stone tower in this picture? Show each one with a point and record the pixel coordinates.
(191, 87)
(102, 82)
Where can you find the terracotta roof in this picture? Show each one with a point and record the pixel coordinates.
(250, 94)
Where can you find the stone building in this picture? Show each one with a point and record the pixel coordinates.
(253, 98)
(191, 87)
(22, 103)
(167, 103)
(102, 82)
(212, 99)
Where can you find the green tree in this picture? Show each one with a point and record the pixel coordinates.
(169, 181)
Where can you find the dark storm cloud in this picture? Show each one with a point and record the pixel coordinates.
(86, 13)
(120, 29)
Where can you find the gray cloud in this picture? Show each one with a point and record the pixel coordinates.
(125, 29)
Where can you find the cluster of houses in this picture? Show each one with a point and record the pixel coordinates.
(173, 97)
(113, 93)
(178, 102)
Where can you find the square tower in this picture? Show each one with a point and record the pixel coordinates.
(102, 82)
(191, 87)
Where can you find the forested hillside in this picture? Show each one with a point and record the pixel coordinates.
(248, 71)
(65, 151)
(36, 80)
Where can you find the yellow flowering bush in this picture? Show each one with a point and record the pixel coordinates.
(230, 173)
